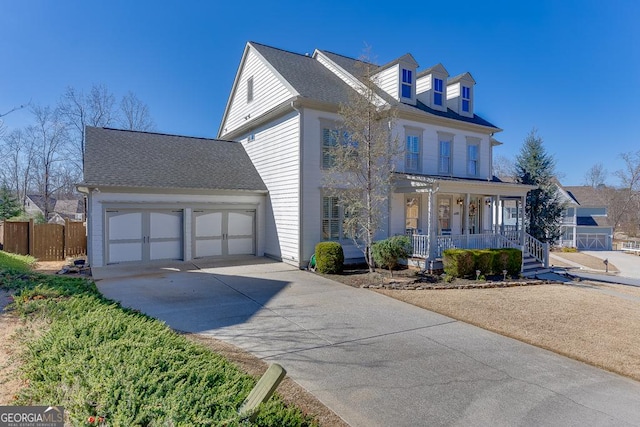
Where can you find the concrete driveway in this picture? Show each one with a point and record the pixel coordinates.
(376, 361)
(628, 264)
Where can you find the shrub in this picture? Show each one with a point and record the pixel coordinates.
(387, 253)
(483, 260)
(459, 263)
(329, 258)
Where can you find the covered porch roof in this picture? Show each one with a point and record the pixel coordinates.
(420, 183)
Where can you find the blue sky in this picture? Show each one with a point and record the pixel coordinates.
(569, 68)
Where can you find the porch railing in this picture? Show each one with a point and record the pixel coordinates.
(463, 241)
(532, 246)
(537, 249)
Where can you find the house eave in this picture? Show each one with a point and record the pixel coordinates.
(87, 188)
(423, 116)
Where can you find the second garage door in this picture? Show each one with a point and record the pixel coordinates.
(223, 232)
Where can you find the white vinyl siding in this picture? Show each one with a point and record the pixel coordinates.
(389, 80)
(268, 92)
(275, 155)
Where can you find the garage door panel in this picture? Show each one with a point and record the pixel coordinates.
(206, 248)
(166, 225)
(242, 246)
(123, 252)
(208, 224)
(165, 250)
(125, 226)
(240, 223)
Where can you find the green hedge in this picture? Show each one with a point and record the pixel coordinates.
(465, 262)
(329, 258)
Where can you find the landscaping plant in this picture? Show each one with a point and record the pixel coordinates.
(388, 252)
(329, 258)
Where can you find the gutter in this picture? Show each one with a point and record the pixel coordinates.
(295, 105)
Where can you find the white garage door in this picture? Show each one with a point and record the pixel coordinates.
(223, 232)
(141, 235)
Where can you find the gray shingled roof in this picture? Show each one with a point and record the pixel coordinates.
(125, 158)
(586, 195)
(308, 77)
(312, 80)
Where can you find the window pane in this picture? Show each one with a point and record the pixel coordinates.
(406, 91)
(465, 105)
(437, 98)
(406, 76)
(437, 85)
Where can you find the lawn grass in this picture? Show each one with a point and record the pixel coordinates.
(98, 359)
(20, 263)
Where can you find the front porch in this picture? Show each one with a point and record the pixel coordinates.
(442, 213)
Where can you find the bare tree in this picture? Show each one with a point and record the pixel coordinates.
(363, 156)
(595, 176)
(629, 198)
(78, 110)
(18, 161)
(50, 136)
(504, 168)
(135, 114)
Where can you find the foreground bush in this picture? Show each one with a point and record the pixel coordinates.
(464, 262)
(329, 258)
(99, 360)
(387, 253)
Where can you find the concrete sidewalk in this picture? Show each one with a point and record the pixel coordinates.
(376, 361)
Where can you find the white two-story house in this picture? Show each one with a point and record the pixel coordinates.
(258, 188)
(282, 107)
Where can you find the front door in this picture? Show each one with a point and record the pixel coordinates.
(474, 211)
(444, 216)
(412, 214)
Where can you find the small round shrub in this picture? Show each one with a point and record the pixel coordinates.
(329, 258)
(387, 253)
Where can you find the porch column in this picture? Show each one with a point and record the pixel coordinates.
(523, 203)
(499, 214)
(492, 204)
(432, 228)
(465, 212)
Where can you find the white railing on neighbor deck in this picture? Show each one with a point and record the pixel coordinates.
(537, 249)
(631, 247)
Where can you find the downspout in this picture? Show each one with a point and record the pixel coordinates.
(300, 182)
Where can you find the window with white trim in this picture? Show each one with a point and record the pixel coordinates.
(331, 218)
(437, 91)
(331, 137)
(412, 151)
(466, 99)
(250, 89)
(334, 217)
(473, 154)
(407, 83)
(444, 159)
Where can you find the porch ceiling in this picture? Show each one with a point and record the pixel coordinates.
(414, 183)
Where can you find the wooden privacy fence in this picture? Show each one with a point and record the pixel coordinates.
(46, 242)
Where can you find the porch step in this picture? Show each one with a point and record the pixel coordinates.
(531, 267)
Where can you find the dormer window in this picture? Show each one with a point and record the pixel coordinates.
(437, 91)
(407, 83)
(466, 99)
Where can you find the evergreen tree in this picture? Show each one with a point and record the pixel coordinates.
(9, 206)
(543, 212)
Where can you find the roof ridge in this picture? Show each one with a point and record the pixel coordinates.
(348, 57)
(163, 134)
(304, 55)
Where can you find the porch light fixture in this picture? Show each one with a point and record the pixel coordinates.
(460, 201)
(487, 202)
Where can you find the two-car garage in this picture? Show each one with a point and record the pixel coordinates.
(143, 235)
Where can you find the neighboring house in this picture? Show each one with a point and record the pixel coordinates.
(153, 196)
(59, 210)
(585, 224)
